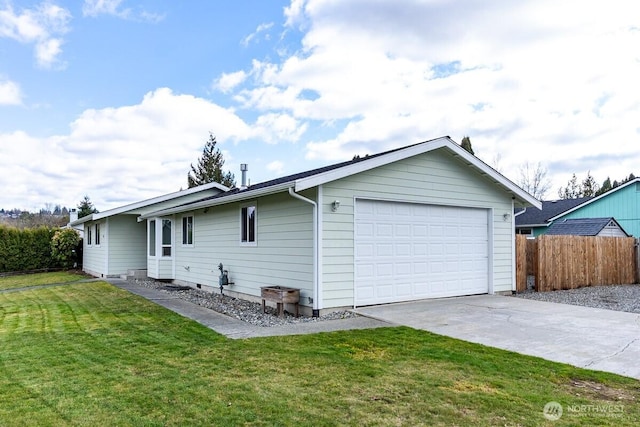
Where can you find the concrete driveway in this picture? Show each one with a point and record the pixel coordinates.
(586, 337)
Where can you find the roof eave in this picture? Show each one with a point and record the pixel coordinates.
(158, 199)
(223, 200)
(414, 150)
(82, 220)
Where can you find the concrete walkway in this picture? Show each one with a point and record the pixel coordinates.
(586, 337)
(235, 328)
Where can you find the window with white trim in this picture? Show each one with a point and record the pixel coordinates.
(152, 237)
(248, 224)
(89, 235)
(187, 230)
(166, 237)
(97, 236)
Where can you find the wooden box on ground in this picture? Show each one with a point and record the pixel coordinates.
(281, 295)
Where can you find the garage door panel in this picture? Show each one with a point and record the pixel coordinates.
(409, 251)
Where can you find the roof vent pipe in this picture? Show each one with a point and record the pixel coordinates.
(243, 169)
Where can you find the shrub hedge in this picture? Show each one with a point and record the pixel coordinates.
(26, 249)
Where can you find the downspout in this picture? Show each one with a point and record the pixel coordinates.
(316, 294)
(513, 250)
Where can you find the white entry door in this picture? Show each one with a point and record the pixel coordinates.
(409, 251)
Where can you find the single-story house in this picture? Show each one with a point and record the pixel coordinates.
(532, 222)
(621, 203)
(601, 227)
(114, 241)
(427, 220)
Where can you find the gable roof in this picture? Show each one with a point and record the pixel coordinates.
(594, 199)
(131, 208)
(550, 208)
(312, 178)
(582, 226)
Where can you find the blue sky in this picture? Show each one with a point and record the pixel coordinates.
(115, 98)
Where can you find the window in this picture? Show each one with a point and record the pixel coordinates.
(187, 230)
(248, 224)
(97, 236)
(525, 231)
(152, 237)
(89, 235)
(166, 237)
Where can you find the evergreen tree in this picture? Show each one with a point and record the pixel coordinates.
(606, 186)
(589, 186)
(209, 167)
(466, 144)
(86, 207)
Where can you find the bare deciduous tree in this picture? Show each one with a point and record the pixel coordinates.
(534, 180)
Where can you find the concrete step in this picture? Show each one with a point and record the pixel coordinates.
(135, 274)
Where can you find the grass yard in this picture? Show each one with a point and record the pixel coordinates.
(90, 354)
(26, 280)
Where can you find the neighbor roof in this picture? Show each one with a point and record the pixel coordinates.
(532, 216)
(582, 226)
(312, 178)
(593, 199)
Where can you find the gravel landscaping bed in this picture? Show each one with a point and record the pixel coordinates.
(247, 311)
(612, 297)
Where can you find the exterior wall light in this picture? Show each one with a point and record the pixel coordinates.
(335, 205)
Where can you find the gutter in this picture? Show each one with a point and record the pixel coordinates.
(221, 200)
(316, 242)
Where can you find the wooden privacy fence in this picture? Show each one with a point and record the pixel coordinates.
(569, 262)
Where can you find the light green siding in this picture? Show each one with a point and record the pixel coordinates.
(623, 205)
(282, 256)
(94, 257)
(127, 244)
(437, 178)
(123, 244)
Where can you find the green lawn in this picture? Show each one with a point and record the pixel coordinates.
(92, 354)
(25, 280)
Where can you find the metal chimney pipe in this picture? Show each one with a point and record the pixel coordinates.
(243, 169)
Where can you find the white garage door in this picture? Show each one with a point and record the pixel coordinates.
(407, 251)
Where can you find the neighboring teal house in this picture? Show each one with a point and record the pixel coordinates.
(533, 222)
(427, 220)
(622, 203)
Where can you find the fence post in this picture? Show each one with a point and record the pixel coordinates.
(637, 258)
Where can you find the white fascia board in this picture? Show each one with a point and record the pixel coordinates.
(244, 195)
(588, 202)
(443, 142)
(82, 220)
(153, 201)
(532, 225)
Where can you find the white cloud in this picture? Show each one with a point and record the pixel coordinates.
(106, 7)
(228, 81)
(273, 128)
(260, 29)
(42, 26)
(116, 155)
(534, 81)
(294, 12)
(276, 167)
(95, 8)
(10, 93)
